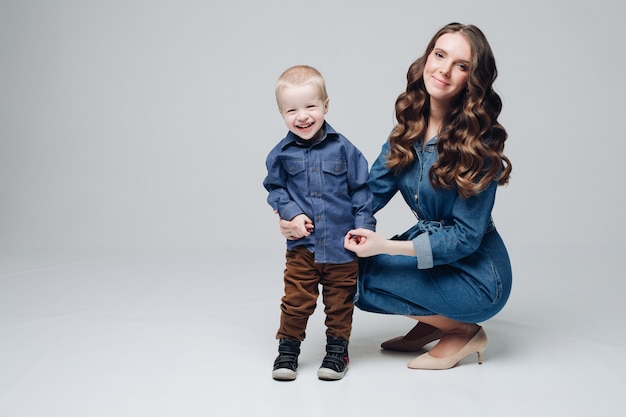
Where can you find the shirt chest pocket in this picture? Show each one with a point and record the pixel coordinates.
(335, 176)
(296, 174)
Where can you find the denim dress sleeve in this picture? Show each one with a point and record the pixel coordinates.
(459, 234)
(360, 193)
(382, 181)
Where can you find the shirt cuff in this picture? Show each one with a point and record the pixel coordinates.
(423, 251)
(289, 211)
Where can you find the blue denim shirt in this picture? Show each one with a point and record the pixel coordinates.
(449, 227)
(327, 181)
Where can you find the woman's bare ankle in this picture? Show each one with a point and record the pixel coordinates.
(454, 340)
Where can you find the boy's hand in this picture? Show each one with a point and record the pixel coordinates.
(296, 228)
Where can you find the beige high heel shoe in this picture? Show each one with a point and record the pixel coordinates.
(478, 344)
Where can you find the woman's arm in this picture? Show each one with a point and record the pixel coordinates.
(461, 235)
(364, 243)
(382, 182)
(358, 189)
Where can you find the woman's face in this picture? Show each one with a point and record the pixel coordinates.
(447, 68)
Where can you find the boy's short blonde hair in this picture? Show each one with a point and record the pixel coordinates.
(299, 75)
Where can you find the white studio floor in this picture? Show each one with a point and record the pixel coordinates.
(186, 333)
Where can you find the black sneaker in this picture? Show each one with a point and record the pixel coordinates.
(286, 362)
(335, 363)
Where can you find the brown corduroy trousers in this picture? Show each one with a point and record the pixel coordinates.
(302, 280)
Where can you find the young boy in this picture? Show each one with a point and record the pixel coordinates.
(318, 180)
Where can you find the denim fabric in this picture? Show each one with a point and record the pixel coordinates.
(461, 269)
(327, 181)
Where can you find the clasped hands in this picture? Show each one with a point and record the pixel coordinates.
(362, 242)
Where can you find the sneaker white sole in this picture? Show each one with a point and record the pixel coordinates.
(283, 374)
(330, 375)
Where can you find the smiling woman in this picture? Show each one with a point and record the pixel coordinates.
(451, 270)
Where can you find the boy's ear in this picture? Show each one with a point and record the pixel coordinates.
(326, 105)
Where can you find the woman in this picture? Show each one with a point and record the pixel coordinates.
(451, 270)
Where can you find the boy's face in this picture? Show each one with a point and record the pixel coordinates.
(303, 110)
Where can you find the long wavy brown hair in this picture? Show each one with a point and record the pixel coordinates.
(471, 140)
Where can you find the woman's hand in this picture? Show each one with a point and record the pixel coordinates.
(364, 242)
(296, 228)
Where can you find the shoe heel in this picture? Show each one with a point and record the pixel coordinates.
(480, 357)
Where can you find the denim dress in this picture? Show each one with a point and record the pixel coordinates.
(461, 269)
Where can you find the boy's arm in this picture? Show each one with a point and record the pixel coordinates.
(276, 184)
(360, 191)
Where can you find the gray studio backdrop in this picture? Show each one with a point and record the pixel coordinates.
(146, 123)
